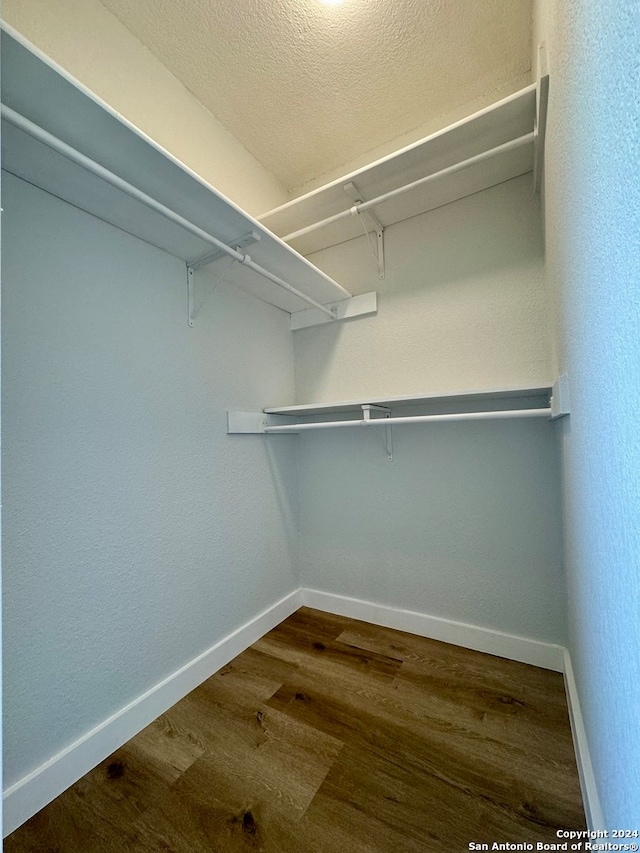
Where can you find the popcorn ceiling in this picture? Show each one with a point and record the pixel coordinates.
(307, 87)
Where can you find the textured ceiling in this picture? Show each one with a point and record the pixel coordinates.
(308, 87)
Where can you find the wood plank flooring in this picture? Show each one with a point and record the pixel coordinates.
(330, 735)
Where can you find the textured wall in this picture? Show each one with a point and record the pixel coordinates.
(90, 43)
(464, 524)
(463, 305)
(136, 532)
(593, 223)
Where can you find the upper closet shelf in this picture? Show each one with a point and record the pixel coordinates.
(487, 148)
(59, 136)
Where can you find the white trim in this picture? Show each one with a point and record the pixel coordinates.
(357, 306)
(545, 655)
(34, 791)
(590, 797)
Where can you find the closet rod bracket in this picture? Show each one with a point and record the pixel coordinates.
(378, 250)
(367, 409)
(238, 244)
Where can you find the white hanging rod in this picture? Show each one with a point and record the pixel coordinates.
(414, 419)
(449, 170)
(90, 165)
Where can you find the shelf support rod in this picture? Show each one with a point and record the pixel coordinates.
(450, 170)
(90, 165)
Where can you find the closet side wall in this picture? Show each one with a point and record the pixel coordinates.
(464, 524)
(593, 263)
(91, 44)
(137, 534)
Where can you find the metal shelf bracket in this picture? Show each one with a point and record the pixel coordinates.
(540, 128)
(191, 294)
(367, 408)
(560, 398)
(205, 260)
(378, 250)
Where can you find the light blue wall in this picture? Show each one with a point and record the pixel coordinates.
(464, 524)
(593, 255)
(137, 533)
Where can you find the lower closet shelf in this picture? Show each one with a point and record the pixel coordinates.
(512, 403)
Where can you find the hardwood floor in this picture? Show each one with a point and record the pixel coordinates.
(334, 736)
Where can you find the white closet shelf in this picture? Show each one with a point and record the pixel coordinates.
(485, 149)
(531, 401)
(61, 137)
(453, 397)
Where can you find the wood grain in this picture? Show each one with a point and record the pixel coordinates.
(330, 735)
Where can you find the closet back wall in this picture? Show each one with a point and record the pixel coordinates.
(463, 305)
(464, 524)
(137, 534)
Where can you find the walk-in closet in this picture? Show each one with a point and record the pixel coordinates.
(319, 499)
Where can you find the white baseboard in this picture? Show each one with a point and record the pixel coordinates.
(545, 655)
(34, 791)
(593, 812)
